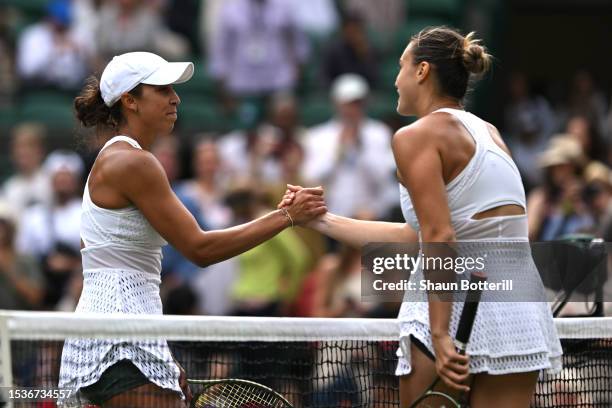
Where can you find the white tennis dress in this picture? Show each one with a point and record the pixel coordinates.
(121, 270)
(507, 337)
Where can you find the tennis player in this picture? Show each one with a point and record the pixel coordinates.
(129, 213)
(457, 182)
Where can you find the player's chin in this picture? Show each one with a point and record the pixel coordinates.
(401, 109)
(171, 122)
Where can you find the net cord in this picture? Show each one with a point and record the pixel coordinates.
(22, 325)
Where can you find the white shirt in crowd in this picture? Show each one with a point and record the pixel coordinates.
(21, 191)
(363, 179)
(40, 55)
(41, 227)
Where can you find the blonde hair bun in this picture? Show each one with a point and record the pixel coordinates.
(475, 57)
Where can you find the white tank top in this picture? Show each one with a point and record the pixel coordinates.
(121, 275)
(489, 180)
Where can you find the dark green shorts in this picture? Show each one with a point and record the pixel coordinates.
(118, 378)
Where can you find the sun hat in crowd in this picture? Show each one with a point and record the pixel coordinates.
(562, 149)
(126, 71)
(598, 172)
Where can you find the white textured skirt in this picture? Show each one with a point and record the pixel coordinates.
(115, 291)
(510, 336)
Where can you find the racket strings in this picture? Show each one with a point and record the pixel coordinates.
(233, 395)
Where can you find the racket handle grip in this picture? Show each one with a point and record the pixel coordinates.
(468, 314)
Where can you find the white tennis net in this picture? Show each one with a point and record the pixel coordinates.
(313, 362)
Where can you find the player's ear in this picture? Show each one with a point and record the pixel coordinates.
(422, 71)
(129, 102)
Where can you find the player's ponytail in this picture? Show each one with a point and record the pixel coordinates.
(91, 111)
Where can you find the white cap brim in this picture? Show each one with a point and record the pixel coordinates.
(170, 73)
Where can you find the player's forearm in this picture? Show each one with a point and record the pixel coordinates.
(439, 317)
(219, 245)
(357, 233)
(438, 244)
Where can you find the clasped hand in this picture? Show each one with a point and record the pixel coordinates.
(303, 204)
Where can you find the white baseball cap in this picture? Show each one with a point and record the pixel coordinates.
(126, 71)
(348, 88)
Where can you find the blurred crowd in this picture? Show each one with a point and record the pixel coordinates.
(257, 52)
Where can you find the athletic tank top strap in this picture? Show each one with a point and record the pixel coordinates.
(88, 205)
(121, 138)
(467, 176)
(490, 178)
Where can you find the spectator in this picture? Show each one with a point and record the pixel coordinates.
(86, 23)
(350, 154)
(181, 17)
(7, 72)
(586, 100)
(382, 17)
(257, 51)
(261, 154)
(527, 110)
(30, 184)
(202, 196)
(176, 269)
(337, 285)
(135, 25)
(352, 53)
(181, 301)
(283, 118)
(207, 188)
(318, 18)
(587, 134)
(21, 282)
(528, 123)
(557, 208)
(51, 53)
(52, 232)
(209, 23)
(269, 275)
(598, 195)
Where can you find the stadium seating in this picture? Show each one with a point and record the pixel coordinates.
(412, 27)
(449, 9)
(316, 109)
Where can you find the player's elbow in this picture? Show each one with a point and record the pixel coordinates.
(204, 257)
(200, 251)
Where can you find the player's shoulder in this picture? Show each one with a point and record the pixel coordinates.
(121, 161)
(422, 132)
(492, 129)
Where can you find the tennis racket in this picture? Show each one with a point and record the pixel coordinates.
(438, 399)
(235, 393)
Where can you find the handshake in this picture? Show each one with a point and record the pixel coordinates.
(303, 205)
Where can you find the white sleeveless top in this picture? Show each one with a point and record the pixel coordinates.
(507, 337)
(121, 271)
(489, 180)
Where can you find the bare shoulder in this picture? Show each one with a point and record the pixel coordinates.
(428, 131)
(416, 134)
(123, 165)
